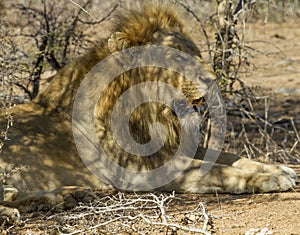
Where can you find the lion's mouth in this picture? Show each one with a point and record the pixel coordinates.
(197, 102)
(182, 108)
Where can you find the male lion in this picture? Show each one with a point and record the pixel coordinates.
(42, 140)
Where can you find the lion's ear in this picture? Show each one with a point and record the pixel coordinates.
(118, 41)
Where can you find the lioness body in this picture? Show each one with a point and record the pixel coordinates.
(42, 138)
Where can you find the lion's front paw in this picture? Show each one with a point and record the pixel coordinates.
(290, 172)
(273, 183)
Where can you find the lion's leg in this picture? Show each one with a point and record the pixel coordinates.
(234, 160)
(62, 198)
(11, 215)
(230, 179)
(250, 165)
(222, 157)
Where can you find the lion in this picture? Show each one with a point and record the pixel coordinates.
(42, 142)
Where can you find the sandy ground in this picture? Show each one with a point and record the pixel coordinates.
(276, 213)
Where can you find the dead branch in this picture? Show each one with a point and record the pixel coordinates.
(128, 213)
(208, 44)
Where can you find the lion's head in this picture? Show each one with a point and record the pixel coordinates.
(159, 31)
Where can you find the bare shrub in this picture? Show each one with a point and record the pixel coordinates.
(50, 34)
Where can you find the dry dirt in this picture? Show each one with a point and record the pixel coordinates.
(273, 213)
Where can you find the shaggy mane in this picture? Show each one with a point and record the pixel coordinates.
(140, 23)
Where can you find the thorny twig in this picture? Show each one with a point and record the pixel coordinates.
(5, 175)
(96, 21)
(124, 213)
(267, 131)
(188, 9)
